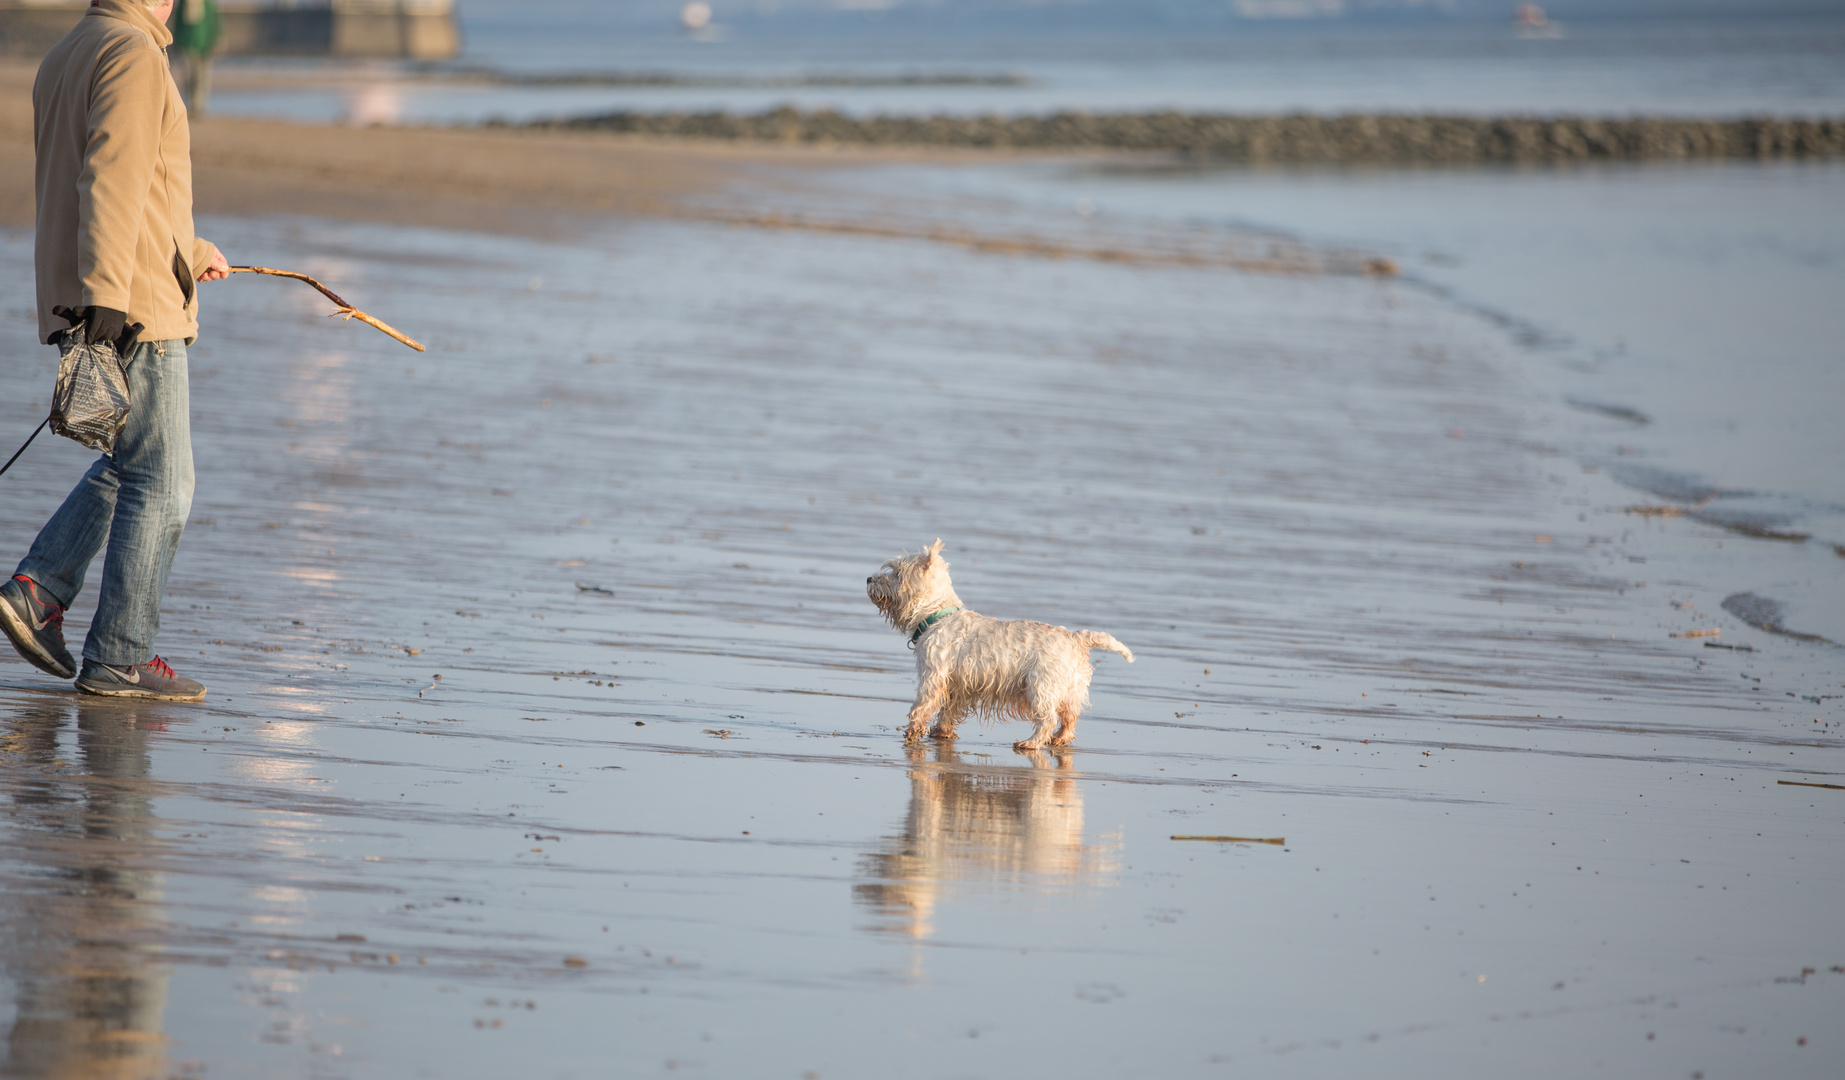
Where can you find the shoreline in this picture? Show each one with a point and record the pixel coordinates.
(549, 183)
(470, 178)
(542, 177)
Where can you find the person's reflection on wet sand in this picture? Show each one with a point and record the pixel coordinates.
(986, 825)
(79, 912)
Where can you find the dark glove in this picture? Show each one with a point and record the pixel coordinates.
(102, 324)
(107, 324)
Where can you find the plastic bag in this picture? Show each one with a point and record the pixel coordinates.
(90, 403)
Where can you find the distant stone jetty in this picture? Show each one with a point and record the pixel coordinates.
(1299, 139)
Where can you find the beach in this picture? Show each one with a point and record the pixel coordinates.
(433, 177)
(551, 732)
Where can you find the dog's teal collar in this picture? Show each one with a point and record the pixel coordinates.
(931, 621)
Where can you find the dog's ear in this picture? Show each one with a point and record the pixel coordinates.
(934, 549)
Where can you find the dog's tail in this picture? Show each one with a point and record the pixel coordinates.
(1096, 639)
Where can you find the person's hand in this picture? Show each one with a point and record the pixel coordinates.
(219, 268)
(101, 324)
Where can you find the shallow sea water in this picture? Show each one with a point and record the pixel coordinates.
(551, 731)
(1684, 314)
(1036, 64)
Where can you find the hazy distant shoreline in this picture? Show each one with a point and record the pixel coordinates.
(1291, 139)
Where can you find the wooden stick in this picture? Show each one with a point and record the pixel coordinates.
(1803, 783)
(346, 310)
(1238, 839)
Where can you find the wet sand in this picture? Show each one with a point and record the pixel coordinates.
(551, 732)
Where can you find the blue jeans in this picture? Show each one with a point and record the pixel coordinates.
(133, 501)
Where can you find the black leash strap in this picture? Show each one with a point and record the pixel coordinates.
(23, 445)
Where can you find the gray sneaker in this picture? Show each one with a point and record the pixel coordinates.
(34, 623)
(153, 679)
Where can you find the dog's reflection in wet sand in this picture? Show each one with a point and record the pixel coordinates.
(972, 826)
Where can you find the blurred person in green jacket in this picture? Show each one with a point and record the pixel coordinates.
(195, 33)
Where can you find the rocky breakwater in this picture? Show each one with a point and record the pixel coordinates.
(1295, 139)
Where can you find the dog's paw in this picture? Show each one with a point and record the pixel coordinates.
(1027, 745)
(944, 734)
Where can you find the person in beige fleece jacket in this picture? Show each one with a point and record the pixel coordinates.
(115, 247)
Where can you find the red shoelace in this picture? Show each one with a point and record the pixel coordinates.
(160, 667)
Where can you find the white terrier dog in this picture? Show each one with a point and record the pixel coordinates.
(966, 662)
